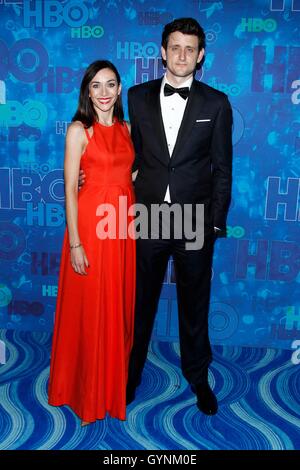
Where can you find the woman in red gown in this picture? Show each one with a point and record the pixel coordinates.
(93, 329)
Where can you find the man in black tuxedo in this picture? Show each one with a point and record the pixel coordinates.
(181, 130)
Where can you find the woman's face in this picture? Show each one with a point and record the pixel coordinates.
(104, 90)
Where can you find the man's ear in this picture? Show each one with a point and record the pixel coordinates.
(163, 53)
(200, 55)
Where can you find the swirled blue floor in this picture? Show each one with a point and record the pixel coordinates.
(257, 389)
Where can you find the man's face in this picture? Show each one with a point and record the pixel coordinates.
(182, 55)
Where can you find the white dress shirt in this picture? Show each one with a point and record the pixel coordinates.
(172, 109)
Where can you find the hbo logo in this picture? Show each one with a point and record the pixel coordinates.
(87, 32)
(51, 13)
(32, 113)
(131, 50)
(256, 25)
(27, 60)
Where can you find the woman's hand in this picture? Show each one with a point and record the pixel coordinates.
(81, 179)
(79, 260)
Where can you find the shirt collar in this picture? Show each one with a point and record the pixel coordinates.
(187, 83)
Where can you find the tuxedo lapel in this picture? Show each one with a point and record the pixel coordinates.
(194, 105)
(156, 119)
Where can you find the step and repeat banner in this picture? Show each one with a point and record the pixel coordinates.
(253, 55)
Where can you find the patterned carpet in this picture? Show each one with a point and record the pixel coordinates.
(257, 389)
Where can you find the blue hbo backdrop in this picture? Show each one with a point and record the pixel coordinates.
(253, 55)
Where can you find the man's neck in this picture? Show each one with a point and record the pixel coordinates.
(176, 81)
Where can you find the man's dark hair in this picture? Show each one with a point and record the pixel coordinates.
(184, 26)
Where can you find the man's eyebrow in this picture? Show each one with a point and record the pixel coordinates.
(175, 44)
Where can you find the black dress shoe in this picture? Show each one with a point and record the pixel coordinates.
(206, 399)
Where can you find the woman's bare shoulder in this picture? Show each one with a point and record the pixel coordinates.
(76, 130)
(76, 127)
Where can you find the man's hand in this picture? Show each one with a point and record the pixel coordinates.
(81, 179)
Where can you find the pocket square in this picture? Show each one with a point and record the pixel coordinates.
(203, 120)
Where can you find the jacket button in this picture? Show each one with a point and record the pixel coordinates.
(172, 168)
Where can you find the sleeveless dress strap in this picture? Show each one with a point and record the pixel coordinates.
(87, 134)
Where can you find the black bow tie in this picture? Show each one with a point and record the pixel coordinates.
(170, 90)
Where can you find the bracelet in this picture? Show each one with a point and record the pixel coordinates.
(77, 245)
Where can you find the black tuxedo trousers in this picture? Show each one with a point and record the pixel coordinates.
(193, 279)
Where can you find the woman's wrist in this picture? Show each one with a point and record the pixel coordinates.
(75, 245)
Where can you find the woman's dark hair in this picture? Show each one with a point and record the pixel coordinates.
(184, 26)
(85, 111)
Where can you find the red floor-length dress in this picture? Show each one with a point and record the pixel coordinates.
(94, 321)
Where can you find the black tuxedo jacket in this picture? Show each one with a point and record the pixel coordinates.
(200, 169)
